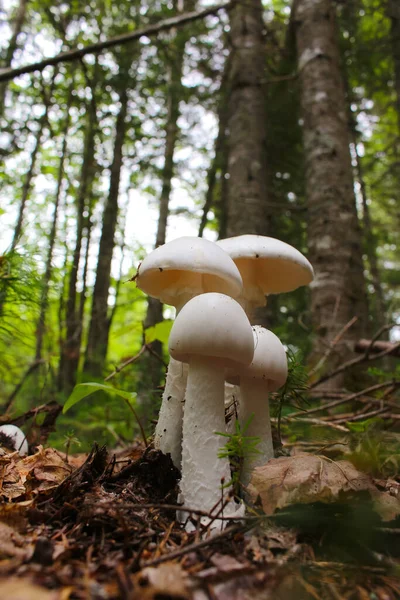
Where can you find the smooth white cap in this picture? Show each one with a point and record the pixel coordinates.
(186, 267)
(212, 325)
(17, 436)
(271, 265)
(269, 361)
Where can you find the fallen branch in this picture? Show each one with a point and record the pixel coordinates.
(353, 362)
(348, 398)
(77, 53)
(378, 346)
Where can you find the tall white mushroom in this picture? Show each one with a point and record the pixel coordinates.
(175, 273)
(266, 373)
(211, 333)
(267, 266)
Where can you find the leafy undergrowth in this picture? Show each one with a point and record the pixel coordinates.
(103, 526)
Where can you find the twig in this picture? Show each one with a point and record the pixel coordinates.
(138, 421)
(315, 422)
(7, 74)
(352, 363)
(126, 363)
(193, 547)
(376, 346)
(348, 398)
(363, 416)
(332, 345)
(19, 385)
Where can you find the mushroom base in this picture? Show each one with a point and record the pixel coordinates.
(254, 401)
(202, 471)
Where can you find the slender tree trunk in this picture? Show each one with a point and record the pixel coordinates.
(40, 330)
(9, 52)
(394, 14)
(338, 292)
(371, 244)
(71, 349)
(98, 330)
(220, 151)
(247, 183)
(153, 368)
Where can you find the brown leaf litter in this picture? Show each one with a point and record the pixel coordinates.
(105, 529)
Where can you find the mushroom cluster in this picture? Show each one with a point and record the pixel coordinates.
(215, 288)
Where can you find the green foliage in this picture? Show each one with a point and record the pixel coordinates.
(159, 331)
(374, 450)
(83, 390)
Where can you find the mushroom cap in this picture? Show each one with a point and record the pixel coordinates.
(17, 438)
(212, 325)
(269, 361)
(186, 267)
(279, 266)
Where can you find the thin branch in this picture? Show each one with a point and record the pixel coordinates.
(355, 361)
(318, 422)
(77, 53)
(32, 367)
(348, 398)
(332, 345)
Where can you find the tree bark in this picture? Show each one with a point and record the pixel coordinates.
(218, 164)
(26, 187)
(9, 52)
(175, 66)
(71, 348)
(97, 344)
(394, 15)
(40, 330)
(338, 292)
(247, 210)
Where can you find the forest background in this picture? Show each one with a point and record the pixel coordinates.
(277, 118)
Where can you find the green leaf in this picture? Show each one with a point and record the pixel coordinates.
(82, 390)
(159, 331)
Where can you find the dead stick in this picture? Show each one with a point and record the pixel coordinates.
(7, 74)
(193, 547)
(349, 398)
(377, 346)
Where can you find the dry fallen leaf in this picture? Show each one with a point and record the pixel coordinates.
(166, 580)
(303, 479)
(24, 589)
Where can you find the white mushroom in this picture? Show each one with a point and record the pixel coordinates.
(175, 273)
(266, 373)
(211, 333)
(267, 266)
(13, 438)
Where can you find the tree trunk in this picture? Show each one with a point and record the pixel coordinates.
(26, 188)
(9, 52)
(71, 349)
(97, 344)
(247, 183)
(394, 15)
(40, 330)
(218, 164)
(338, 292)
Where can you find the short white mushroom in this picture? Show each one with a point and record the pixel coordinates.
(266, 373)
(267, 266)
(13, 438)
(211, 333)
(175, 273)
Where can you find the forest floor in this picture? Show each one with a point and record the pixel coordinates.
(102, 526)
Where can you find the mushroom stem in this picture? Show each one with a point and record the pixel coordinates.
(202, 470)
(168, 433)
(254, 401)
